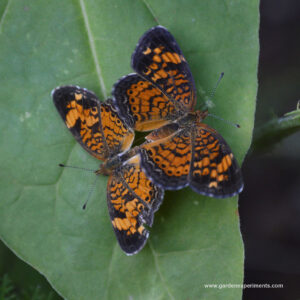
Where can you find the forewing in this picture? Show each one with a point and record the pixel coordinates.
(214, 171)
(95, 125)
(132, 200)
(142, 104)
(158, 58)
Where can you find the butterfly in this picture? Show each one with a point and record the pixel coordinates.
(131, 196)
(161, 96)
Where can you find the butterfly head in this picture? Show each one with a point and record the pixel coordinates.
(109, 166)
(191, 118)
(201, 115)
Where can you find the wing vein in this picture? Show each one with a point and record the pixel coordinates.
(192, 136)
(133, 192)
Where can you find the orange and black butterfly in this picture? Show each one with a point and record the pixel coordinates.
(131, 196)
(161, 95)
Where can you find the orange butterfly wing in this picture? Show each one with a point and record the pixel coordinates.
(194, 155)
(132, 200)
(163, 88)
(95, 125)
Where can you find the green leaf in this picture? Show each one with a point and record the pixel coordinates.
(195, 240)
(275, 130)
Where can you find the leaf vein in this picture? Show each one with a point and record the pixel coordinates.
(59, 177)
(4, 14)
(151, 11)
(159, 271)
(93, 47)
(110, 270)
(190, 251)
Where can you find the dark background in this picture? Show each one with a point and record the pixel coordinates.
(270, 202)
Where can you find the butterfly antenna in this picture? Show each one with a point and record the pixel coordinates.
(212, 94)
(226, 121)
(92, 188)
(78, 168)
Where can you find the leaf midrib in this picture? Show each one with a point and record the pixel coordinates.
(93, 48)
(3, 15)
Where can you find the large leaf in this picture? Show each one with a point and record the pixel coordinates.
(195, 240)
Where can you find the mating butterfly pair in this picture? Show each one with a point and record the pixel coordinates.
(180, 151)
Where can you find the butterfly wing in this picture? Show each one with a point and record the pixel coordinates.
(163, 88)
(214, 170)
(132, 200)
(158, 58)
(145, 106)
(166, 157)
(95, 125)
(194, 155)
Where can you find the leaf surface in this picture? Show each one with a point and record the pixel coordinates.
(195, 240)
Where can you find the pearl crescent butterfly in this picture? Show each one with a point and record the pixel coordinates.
(131, 196)
(161, 96)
